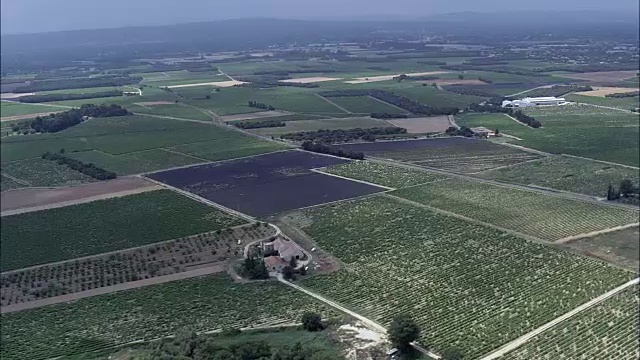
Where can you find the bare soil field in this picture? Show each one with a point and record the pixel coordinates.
(228, 83)
(14, 95)
(603, 76)
(308, 80)
(362, 80)
(255, 115)
(209, 250)
(602, 91)
(26, 200)
(153, 103)
(619, 247)
(423, 124)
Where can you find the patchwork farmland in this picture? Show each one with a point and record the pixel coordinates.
(266, 184)
(476, 277)
(459, 155)
(231, 183)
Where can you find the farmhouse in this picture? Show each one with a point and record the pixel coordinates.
(537, 101)
(286, 249)
(135, 92)
(482, 132)
(274, 263)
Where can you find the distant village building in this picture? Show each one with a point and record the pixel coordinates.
(482, 132)
(286, 249)
(536, 101)
(136, 92)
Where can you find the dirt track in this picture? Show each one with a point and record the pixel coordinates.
(26, 200)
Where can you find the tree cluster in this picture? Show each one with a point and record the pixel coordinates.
(403, 331)
(61, 97)
(626, 189)
(87, 169)
(78, 83)
(485, 80)
(253, 267)
(63, 120)
(463, 131)
(325, 149)
(385, 115)
(186, 345)
(343, 135)
(492, 106)
(312, 321)
(259, 105)
(624, 95)
(259, 124)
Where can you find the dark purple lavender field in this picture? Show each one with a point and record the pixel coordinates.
(266, 184)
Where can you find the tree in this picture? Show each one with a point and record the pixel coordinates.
(312, 321)
(293, 262)
(452, 354)
(497, 132)
(611, 192)
(460, 76)
(287, 272)
(403, 331)
(627, 188)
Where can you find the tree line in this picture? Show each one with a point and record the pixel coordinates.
(385, 115)
(79, 83)
(526, 119)
(558, 90)
(87, 169)
(343, 135)
(475, 90)
(624, 95)
(400, 101)
(258, 124)
(59, 121)
(330, 150)
(259, 105)
(61, 97)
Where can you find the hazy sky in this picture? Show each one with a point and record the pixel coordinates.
(19, 16)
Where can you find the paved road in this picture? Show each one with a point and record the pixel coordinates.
(528, 336)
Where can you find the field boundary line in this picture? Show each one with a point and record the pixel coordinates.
(594, 233)
(516, 120)
(204, 201)
(606, 107)
(183, 154)
(523, 148)
(319, 171)
(462, 217)
(389, 104)
(174, 118)
(115, 194)
(205, 163)
(213, 269)
(528, 336)
(19, 181)
(601, 161)
(114, 251)
(332, 103)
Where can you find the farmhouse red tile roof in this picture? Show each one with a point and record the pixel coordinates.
(273, 261)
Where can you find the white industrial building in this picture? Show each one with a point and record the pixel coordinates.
(537, 101)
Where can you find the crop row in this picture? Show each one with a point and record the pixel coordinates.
(383, 174)
(607, 331)
(543, 216)
(205, 303)
(468, 286)
(96, 227)
(129, 265)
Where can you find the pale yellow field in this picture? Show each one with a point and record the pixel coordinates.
(603, 91)
(228, 83)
